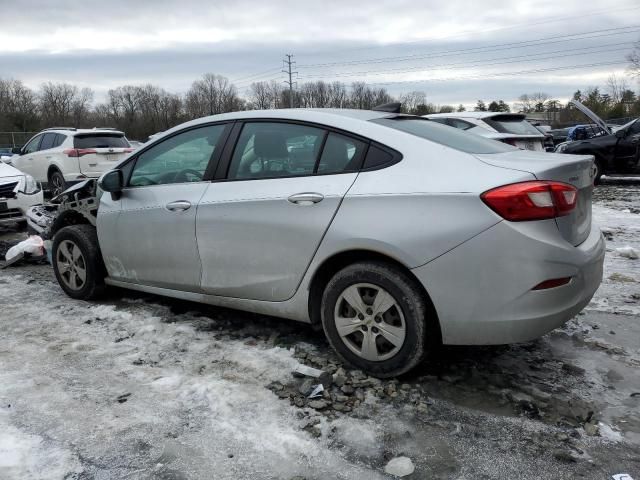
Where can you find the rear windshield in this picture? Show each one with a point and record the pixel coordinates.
(102, 140)
(510, 124)
(445, 135)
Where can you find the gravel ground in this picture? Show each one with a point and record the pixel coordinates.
(143, 387)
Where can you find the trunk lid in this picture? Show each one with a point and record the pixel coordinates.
(576, 170)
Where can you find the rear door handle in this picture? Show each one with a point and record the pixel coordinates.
(308, 198)
(178, 206)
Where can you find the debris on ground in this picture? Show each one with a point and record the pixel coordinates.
(32, 249)
(628, 252)
(399, 467)
(325, 378)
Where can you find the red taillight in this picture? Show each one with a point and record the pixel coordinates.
(128, 150)
(553, 283)
(78, 152)
(537, 200)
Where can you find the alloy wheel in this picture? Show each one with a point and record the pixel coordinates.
(57, 186)
(71, 265)
(370, 322)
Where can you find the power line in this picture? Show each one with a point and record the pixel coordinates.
(289, 63)
(503, 74)
(476, 32)
(494, 47)
(480, 63)
(259, 74)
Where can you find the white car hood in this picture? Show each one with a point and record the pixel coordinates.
(7, 170)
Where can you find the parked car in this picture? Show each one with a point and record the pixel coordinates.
(135, 144)
(615, 151)
(511, 128)
(391, 232)
(18, 192)
(5, 154)
(60, 157)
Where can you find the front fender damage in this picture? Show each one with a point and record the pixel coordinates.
(76, 205)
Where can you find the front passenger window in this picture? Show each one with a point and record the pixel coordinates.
(178, 159)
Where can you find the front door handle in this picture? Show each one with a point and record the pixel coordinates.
(178, 206)
(308, 198)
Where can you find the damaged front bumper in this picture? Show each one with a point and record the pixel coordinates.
(77, 204)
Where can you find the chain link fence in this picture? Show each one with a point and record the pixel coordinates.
(14, 139)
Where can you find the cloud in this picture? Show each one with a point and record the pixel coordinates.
(105, 44)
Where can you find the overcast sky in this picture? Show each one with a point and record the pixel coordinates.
(455, 51)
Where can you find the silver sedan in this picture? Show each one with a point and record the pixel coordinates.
(391, 232)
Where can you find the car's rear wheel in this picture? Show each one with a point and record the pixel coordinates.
(597, 172)
(57, 184)
(77, 262)
(375, 317)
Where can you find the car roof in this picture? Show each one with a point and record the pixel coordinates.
(326, 116)
(478, 115)
(75, 131)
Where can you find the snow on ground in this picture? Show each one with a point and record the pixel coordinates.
(174, 380)
(143, 388)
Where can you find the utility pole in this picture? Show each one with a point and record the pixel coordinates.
(288, 63)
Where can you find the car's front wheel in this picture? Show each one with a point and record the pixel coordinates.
(77, 262)
(375, 317)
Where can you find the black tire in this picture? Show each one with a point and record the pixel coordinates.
(407, 295)
(57, 184)
(86, 240)
(598, 172)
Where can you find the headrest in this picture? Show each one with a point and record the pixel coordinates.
(270, 144)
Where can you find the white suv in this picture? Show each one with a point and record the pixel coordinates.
(59, 157)
(511, 128)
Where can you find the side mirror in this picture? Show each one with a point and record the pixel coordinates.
(621, 133)
(112, 182)
(16, 150)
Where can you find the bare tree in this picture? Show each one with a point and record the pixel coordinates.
(18, 106)
(63, 104)
(634, 61)
(412, 100)
(210, 95)
(260, 95)
(525, 104)
(616, 86)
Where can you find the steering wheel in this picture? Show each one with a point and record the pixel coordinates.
(183, 175)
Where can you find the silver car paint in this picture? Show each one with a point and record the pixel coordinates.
(153, 245)
(427, 215)
(247, 228)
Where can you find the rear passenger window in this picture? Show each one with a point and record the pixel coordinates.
(270, 149)
(59, 140)
(48, 141)
(341, 154)
(377, 158)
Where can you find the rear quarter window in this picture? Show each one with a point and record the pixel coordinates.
(102, 140)
(445, 135)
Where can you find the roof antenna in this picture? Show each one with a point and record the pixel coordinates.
(393, 107)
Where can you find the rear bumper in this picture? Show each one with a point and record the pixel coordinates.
(482, 290)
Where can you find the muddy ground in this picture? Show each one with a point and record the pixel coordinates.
(142, 387)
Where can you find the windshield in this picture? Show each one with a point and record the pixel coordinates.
(512, 124)
(445, 135)
(102, 140)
